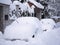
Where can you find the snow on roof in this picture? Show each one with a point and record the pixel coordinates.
(16, 2)
(37, 4)
(8, 2)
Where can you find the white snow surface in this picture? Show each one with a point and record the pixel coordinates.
(50, 37)
(8, 2)
(47, 24)
(23, 28)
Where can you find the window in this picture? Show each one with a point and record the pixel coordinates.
(6, 17)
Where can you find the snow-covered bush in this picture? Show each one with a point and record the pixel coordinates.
(13, 5)
(23, 28)
(47, 24)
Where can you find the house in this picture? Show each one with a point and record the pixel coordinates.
(4, 12)
(38, 8)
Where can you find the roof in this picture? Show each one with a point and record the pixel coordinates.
(7, 2)
(37, 4)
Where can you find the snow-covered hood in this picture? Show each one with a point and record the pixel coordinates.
(22, 28)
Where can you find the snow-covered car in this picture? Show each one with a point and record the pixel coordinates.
(47, 24)
(23, 28)
(50, 37)
(13, 31)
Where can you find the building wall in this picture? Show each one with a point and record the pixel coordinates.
(1, 17)
(6, 20)
(5, 14)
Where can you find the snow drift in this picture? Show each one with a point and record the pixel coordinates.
(23, 28)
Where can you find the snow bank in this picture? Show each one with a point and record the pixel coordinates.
(22, 28)
(47, 24)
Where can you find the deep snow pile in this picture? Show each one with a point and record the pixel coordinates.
(47, 24)
(23, 28)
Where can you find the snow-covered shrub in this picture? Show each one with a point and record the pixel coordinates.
(47, 24)
(22, 28)
(13, 5)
